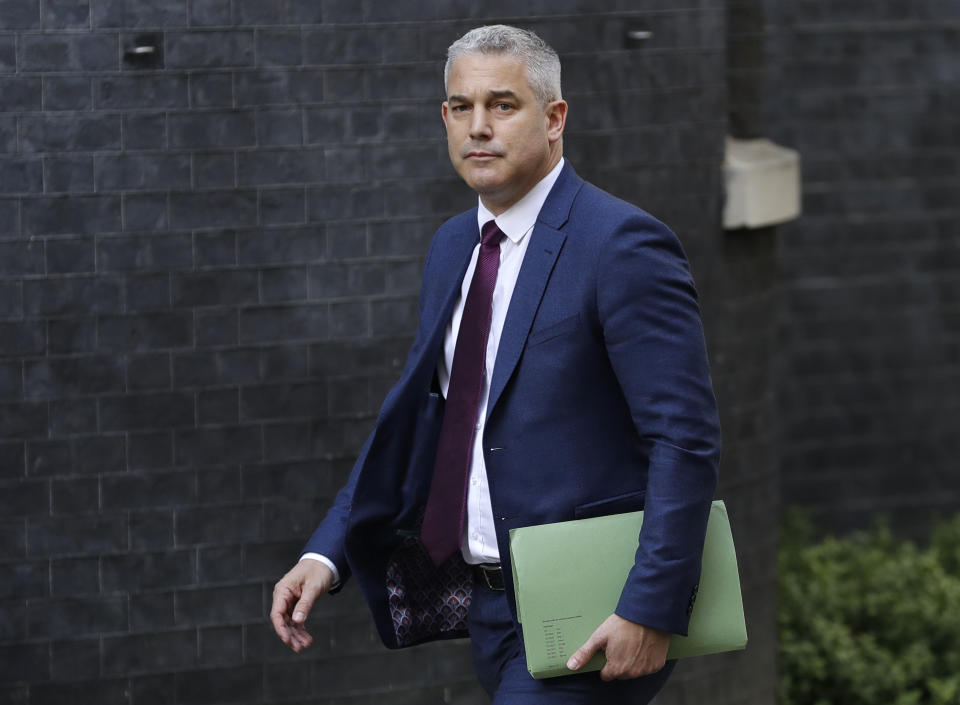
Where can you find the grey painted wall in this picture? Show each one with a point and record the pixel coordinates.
(208, 272)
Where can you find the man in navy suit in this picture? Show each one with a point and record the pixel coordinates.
(594, 397)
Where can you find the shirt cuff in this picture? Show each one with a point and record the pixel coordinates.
(327, 562)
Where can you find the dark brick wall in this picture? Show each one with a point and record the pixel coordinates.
(870, 384)
(208, 272)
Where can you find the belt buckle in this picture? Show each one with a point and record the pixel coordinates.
(492, 577)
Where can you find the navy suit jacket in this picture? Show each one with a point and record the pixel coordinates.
(600, 402)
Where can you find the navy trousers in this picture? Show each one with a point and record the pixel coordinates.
(501, 665)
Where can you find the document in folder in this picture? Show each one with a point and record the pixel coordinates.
(568, 578)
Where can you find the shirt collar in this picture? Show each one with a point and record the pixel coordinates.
(518, 219)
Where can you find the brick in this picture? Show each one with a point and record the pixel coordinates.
(209, 49)
(146, 411)
(144, 131)
(281, 166)
(270, 560)
(85, 215)
(151, 530)
(217, 327)
(164, 252)
(8, 54)
(211, 446)
(24, 579)
(66, 14)
(139, 13)
(276, 86)
(74, 659)
(217, 525)
(343, 85)
(147, 293)
(282, 206)
(286, 401)
(219, 564)
(218, 170)
(142, 172)
(211, 90)
(151, 450)
(214, 129)
(286, 12)
(221, 646)
(149, 653)
(151, 611)
(153, 331)
(76, 535)
(346, 164)
(72, 577)
(290, 520)
(210, 13)
(99, 692)
(13, 542)
(61, 618)
(238, 366)
(58, 377)
(67, 134)
(8, 135)
(146, 372)
(133, 573)
(142, 91)
(287, 323)
(325, 125)
(287, 284)
(20, 94)
(21, 176)
(69, 52)
(286, 441)
(347, 241)
(23, 498)
(13, 620)
(344, 201)
(194, 370)
(279, 127)
(281, 47)
(215, 288)
(217, 249)
(22, 338)
(20, 14)
(217, 407)
(286, 680)
(351, 319)
(21, 258)
(23, 420)
(219, 605)
(145, 211)
(74, 256)
(337, 46)
(213, 209)
(73, 416)
(11, 300)
(23, 662)
(338, 279)
(77, 296)
(285, 362)
(94, 455)
(227, 685)
(72, 335)
(148, 490)
(76, 496)
(12, 460)
(46, 458)
(218, 486)
(70, 174)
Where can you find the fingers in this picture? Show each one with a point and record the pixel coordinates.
(586, 652)
(293, 598)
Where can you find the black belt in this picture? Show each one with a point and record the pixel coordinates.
(489, 574)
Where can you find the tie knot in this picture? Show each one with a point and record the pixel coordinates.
(490, 234)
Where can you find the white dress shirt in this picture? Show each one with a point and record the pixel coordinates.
(479, 541)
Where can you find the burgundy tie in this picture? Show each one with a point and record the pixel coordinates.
(446, 505)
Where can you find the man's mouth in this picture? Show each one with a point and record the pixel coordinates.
(480, 154)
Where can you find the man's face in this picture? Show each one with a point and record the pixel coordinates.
(502, 141)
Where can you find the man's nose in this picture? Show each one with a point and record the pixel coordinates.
(480, 125)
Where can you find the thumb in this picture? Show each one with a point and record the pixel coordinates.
(302, 609)
(586, 652)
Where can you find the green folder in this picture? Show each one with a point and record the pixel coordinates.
(568, 578)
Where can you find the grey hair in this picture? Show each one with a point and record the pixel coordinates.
(539, 58)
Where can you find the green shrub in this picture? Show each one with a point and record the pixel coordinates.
(869, 619)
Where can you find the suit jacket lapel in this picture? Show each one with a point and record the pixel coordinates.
(542, 252)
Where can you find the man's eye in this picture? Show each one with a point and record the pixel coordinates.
(504, 107)
(459, 108)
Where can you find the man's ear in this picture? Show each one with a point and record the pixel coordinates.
(556, 114)
(443, 113)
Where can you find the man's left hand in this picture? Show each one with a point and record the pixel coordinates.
(632, 650)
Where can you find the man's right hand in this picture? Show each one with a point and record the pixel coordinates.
(293, 597)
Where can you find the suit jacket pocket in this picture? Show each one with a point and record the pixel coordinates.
(553, 330)
(629, 502)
